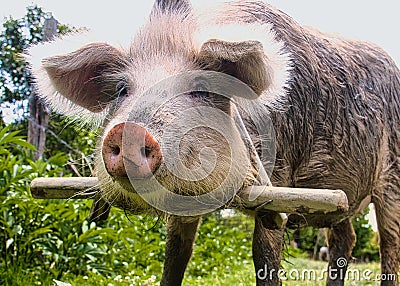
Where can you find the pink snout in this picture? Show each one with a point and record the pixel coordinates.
(129, 150)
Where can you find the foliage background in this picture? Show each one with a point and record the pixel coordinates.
(45, 240)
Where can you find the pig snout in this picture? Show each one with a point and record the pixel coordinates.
(129, 150)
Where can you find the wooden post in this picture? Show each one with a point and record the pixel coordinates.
(39, 112)
(287, 200)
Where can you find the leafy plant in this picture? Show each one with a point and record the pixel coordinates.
(222, 242)
(366, 247)
(41, 236)
(15, 37)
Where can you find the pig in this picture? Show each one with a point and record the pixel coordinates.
(334, 105)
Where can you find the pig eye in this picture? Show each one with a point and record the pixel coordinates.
(199, 94)
(122, 89)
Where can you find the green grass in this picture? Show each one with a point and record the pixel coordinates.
(243, 275)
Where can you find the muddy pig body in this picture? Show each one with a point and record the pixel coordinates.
(334, 105)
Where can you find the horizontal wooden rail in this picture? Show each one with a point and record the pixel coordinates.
(65, 188)
(278, 199)
(295, 200)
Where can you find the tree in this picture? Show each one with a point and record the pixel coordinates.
(39, 112)
(15, 37)
(17, 90)
(15, 81)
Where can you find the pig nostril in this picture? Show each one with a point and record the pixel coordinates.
(116, 150)
(145, 152)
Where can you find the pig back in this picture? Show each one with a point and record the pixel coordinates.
(340, 121)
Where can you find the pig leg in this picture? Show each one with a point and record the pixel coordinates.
(181, 233)
(267, 247)
(388, 219)
(341, 240)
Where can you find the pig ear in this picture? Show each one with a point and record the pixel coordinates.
(79, 80)
(243, 60)
(80, 75)
(254, 57)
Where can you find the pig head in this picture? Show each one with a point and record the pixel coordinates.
(161, 90)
